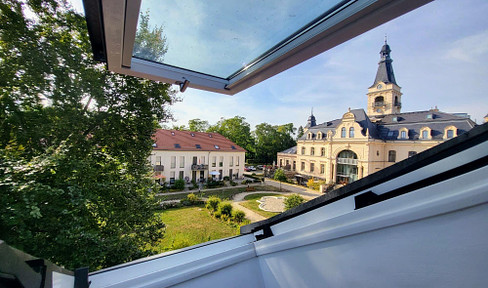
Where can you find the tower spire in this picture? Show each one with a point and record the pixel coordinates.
(385, 69)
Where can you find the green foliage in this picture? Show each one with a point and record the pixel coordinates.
(315, 185)
(300, 132)
(198, 125)
(238, 131)
(238, 216)
(225, 208)
(74, 142)
(179, 184)
(293, 201)
(192, 198)
(271, 140)
(279, 175)
(213, 203)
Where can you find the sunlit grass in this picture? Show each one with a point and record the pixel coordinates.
(190, 226)
(253, 205)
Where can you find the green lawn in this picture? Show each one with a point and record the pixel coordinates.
(191, 225)
(224, 194)
(253, 205)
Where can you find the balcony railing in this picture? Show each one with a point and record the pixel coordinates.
(199, 167)
(158, 168)
(347, 161)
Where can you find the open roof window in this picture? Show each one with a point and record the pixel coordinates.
(227, 46)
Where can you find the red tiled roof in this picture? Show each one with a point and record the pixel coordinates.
(188, 141)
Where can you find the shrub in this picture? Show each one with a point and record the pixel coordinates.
(232, 183)
(239, 216)
(225, 208)
(192, 198)
(213, 203)
(217, 214)
(213, 184)
(293, 201)
(179, 184)
(312, 184)
(226, 178)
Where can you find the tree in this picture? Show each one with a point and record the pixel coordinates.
(75, 138)
(293, 201)
(280, 176)
(150, 43)
(198, 125)
(271, 140)
(238, 131)
(300, 132)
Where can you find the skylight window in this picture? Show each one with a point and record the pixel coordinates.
(172, 133)
(217, 147)
(177, 146)
(198, 146)
(192, 134)
(233, 147)
(227, 46)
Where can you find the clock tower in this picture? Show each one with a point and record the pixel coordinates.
(384, 96)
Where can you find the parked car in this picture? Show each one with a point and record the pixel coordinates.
(251, 168)
(259, 167)
(247, 169)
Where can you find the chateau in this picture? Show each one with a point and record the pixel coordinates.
(360, 143)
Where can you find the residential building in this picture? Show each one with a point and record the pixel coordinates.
(195, 156)
(360, 143)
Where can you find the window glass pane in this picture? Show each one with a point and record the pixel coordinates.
(229, 34)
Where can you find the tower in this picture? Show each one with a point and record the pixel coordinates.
(311, 122)
(384, 96)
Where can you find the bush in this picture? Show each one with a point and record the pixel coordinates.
(217, 214)
(239, 216)
(312, 184)
(192, 198)
(225, 208)
(232, 183)
(226, 178)
(293, 201)
(179, 184)
(213, 203)
(213, 184)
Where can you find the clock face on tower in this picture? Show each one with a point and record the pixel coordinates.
(379, 86)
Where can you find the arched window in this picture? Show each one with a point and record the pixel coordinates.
(392, 156)
(396, 101)
(450, 134)
(403, 134)
(347, 167)
(343, 132)
(425, 134)
(379, 101)
(351, 132)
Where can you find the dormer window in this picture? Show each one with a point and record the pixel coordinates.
(351, 132)
(425, 133)
(450, 132)
(319, 135)
(403, 133)
(343, 132)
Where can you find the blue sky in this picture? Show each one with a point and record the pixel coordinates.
(440, 57)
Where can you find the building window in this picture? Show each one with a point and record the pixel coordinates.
(237, 160)
(425, 134)
(343, 132)
(312, 167)
(351, 132)
(182, 175)
(411, 153)
(173, 162)
(158, 160)
(182, 161)
(450, 134)
(214, 161)
(281, 162)
(379, 101)
(221, 161)
(303, 150)
(202, 160)
(347, 167)
(302, 168)
(294, 165)
(231, 162)
(312, 151)
(403, 134)
(322, 168)
(392, 156)
(172, 177)
(322, 151)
